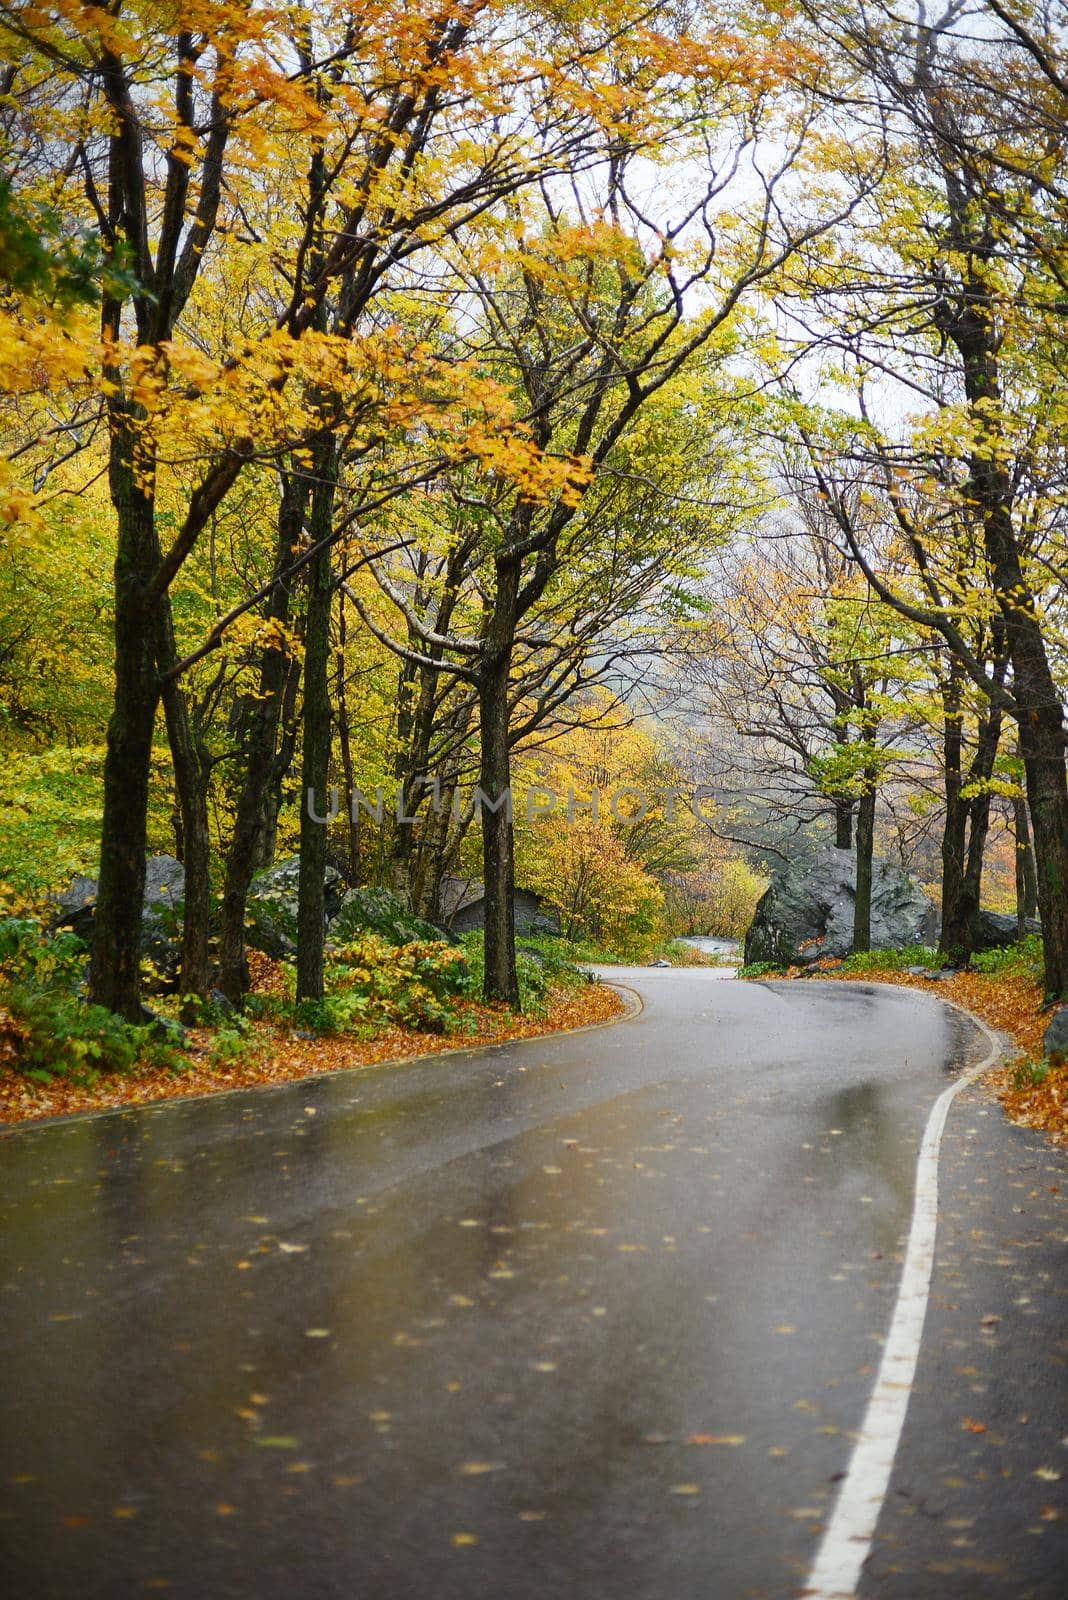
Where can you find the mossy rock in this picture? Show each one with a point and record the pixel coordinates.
(379, 911)
(271, 910)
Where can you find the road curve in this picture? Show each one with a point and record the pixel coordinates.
(587, 1316)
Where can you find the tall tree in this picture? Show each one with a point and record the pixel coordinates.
(961, 308)
(164, 130)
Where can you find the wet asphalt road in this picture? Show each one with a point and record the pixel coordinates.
(586, 1317)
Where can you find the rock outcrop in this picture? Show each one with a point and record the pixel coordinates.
(271, 909)
(807, 910)
(1055, 1038)
(994, 930)
(378, 911)
(161, 925)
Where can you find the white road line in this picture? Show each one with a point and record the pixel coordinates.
(848, 1537)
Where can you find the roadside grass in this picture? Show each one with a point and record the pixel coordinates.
(767, 969)
(910, 955)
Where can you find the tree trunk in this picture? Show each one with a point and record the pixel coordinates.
(267, 844)
(1026, 881)
(865, 854)
(260, 735)
(954, 832)
(1040, 717)
(495, 775)
(191, 786)
(979, 826)
(1047, 798)
(115, 962)
(957, 941)
(403, 771)
(843, 824)
(1042, 744)
(311, 910)
(352, 813)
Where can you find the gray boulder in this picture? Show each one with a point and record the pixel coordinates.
(74, 908)
(994, 930)
(377, 911)
(1055, 1038)
(271, 909)
(161, 923)
(807, 910)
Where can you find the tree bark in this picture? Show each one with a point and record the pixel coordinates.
(352, 813)
(260, 736)
(972, 817)
(843, 824)
(190, 779)
(403, 771)
(955, 828)
(311, 909)
(115, 960)
(501, 980)
(1026, 880)
(1042, 733)
(1040, 717)
(1047, 797)
(865, 855)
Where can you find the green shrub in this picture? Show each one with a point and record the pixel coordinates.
(377, 911)
(60, 1034)
(910, 955)
(33, 958)
(761, 969)
(371, 982)
(1023, 958)
(234, 1040)
(334, 1013)
(543, 965)
(63, 1036)
(1029, 1074)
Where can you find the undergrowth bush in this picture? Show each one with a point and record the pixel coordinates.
(909, 955)
(62, 1036)
(37, 959)
(1024, 958)
(544, 966)
(56, 1032)
(1027, 1075)
(370, 982)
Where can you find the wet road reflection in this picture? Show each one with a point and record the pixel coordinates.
(582, 1317)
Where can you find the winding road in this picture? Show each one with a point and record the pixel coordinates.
(594, 1316)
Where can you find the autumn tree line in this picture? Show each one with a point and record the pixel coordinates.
(393, 392)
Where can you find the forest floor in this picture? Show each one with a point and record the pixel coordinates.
(273, 1055)
(1033, 1093)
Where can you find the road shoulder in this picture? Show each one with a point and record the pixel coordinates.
(990, 1399)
